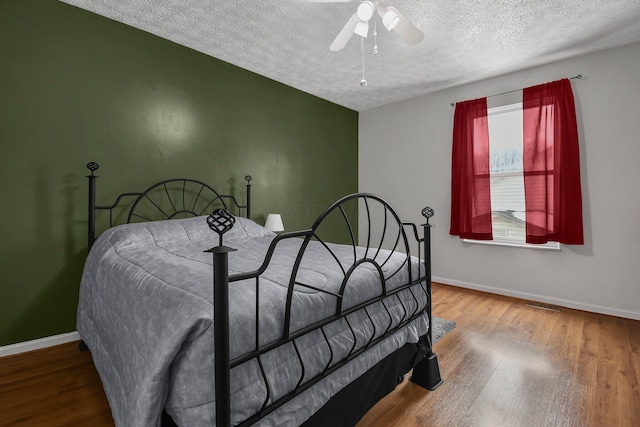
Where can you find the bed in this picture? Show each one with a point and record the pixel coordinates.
(196, 315)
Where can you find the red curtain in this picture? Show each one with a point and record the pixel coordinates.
(470, 180)
(553, 196)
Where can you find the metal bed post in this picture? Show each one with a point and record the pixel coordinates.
(427, 372)
(248, 179)
(92, 166)
(91, 225)
(221, 335)
(221, 221)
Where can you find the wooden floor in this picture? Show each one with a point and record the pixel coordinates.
(505, 364)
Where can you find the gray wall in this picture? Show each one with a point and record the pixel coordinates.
(407, 146)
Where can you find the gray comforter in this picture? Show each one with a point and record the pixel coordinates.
(145, 311)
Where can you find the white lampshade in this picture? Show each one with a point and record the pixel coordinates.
(274, 223)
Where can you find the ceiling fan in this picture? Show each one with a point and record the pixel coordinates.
(358, 24)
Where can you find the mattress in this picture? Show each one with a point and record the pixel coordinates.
(145, 311)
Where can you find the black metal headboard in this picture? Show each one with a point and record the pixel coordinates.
(168, 199)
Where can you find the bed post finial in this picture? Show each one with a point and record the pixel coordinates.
(93, 166)
(428, 213)
(220, 221)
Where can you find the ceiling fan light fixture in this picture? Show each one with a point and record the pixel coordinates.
(362, 29)
(390, 20)
(365, 10)
(389, 17)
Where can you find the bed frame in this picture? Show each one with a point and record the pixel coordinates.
(351, 403)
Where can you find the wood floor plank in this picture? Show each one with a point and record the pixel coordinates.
(505, 364)
(58, 386)
(627, 373)
(546, 368)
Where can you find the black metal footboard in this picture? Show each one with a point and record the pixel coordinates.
(381, 234)
(372, 253)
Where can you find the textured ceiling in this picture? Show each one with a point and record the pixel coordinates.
(465, 40)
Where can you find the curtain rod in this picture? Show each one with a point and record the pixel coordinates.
(579, 76)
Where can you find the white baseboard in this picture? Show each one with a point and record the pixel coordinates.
(541, 298)
(22, 347)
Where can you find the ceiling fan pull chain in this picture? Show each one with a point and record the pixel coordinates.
(363, 82)
(375, 37)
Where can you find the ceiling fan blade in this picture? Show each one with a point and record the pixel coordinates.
(406, 30)
(345, 34)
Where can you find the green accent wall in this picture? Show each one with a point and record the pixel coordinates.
(77, 87)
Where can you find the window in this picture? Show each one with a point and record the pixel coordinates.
(508, 211)
(546, 169)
